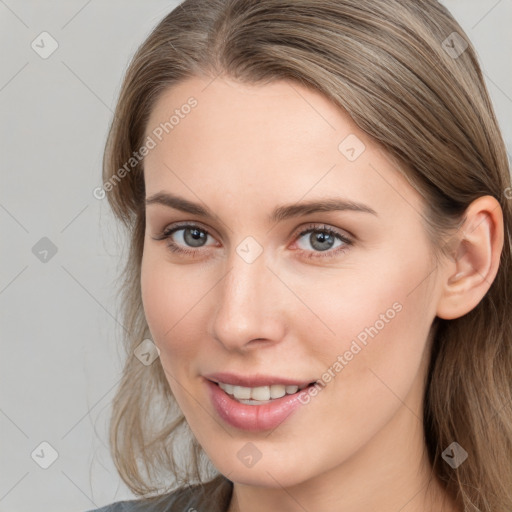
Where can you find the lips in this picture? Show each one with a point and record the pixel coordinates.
(249, 414)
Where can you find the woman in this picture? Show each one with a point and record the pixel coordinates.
(317, 199)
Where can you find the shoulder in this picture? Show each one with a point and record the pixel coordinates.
(216, 494)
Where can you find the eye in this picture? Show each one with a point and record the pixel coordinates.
(322, 239)
(181, 236)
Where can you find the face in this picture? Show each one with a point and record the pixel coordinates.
(250, 294)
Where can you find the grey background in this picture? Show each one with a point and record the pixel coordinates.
(61, 356)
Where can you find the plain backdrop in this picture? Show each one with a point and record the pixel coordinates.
(61, 356)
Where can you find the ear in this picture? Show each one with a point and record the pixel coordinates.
(476, 258)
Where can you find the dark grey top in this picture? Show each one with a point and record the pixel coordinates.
(213, 496)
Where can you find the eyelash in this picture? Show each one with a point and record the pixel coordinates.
(174, 247)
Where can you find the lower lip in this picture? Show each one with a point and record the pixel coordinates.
(253, 417)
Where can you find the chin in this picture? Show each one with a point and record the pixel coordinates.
(270, 473)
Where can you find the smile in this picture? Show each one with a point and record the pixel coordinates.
(263, 403)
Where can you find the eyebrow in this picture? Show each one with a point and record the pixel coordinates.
(279, 214)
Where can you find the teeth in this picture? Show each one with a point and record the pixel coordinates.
(241, 392)
(277, 391)
(228, 388)
(262, 394)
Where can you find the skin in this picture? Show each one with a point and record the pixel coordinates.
(244, 150)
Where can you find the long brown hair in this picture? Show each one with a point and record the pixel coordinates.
(408, 76)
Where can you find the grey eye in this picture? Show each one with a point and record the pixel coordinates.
(190, 236)
(319, 240)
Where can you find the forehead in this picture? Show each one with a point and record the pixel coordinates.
(278, 140)
(278, 109)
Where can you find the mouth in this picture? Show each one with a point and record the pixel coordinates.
(256, 403)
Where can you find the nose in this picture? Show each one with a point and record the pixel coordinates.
(251, 305)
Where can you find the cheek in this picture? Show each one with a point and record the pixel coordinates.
(389, 293)
(382, 321)
(167, 300)
(157, 300)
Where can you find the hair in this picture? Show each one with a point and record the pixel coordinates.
(388, 65)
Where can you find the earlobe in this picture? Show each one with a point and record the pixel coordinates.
(478, 245)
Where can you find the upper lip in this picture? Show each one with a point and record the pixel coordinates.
(252, 381)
